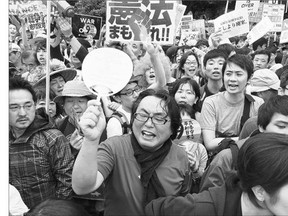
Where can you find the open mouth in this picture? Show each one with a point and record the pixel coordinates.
(232, 86)
(148, 135)
(152, 76)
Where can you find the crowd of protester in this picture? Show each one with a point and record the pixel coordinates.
(197, 130)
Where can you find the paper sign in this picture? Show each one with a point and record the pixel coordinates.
(259, 30)
(186, 23)
(276, 14)
(188, 37)
(284, 32)
(199, 25)
(84, 25)
(180, 9)
(233, 23)
(258, 16)
(35, 11)
(251, 5)
(124, 19)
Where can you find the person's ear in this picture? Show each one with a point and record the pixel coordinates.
(196, 99)
(259, 193)
(261, 129)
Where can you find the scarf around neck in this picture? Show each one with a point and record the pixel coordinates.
(149, 161)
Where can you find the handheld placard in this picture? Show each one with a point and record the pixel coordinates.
(106, 71)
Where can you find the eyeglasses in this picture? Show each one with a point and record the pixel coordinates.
(190, 63)
(17, 107)
(155, 119)
(130, 92)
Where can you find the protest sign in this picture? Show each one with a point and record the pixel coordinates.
(259, 30)
(186, 23)
(251, 5)
(233, 23)
(276, 14)
(84, 25)
(199, 25)
(34, 11)
(258, 16)
(180, 9)
(127, 19)
(284, 32)
(189, 38)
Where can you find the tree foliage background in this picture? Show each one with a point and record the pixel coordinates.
(90, 7)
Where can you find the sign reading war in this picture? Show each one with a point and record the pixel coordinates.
(127, 19)
(84, 25)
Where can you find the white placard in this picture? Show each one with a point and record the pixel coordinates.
(251, 5)
(276, 14)
(127, 20)
(284, 32)
(233, 23)
(259, 30)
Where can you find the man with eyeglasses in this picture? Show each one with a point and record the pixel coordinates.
(136, 167)
(40, 159)
(119, 122)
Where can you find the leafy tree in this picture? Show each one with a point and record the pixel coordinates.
(90, 7)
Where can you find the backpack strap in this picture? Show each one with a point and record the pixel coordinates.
(246, 111)
(123, 121)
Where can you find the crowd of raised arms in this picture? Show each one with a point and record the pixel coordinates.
(199, 129)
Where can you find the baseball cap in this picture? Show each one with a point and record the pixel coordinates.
(264, 79)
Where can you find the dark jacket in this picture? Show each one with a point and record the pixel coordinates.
(216, 201)
(40, 162)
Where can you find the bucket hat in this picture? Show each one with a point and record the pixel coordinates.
(56, 68)
(264, 79)
(74, 88)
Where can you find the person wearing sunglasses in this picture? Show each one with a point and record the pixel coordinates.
(136, 167)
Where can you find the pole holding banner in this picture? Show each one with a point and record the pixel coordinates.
(48, 57)
(226, 8)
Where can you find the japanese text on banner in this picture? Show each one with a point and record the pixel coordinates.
(251, 5)
(127, 18)
(233, 23)
(35, 11)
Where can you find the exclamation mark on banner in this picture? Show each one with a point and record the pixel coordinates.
(163, 34)
(167, 34)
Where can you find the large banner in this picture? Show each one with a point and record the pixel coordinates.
(233, 23)
(34, 11)
(251, 5)
(84, 25)
(137, 19)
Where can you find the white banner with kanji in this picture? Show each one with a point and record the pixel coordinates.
(233, 23)
(251, 5)
(134, 20)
